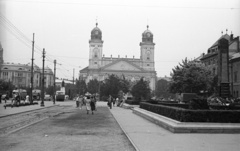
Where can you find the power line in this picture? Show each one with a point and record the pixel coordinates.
(122, 5)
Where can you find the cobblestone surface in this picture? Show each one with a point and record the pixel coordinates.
(13, 122)
(72, 130)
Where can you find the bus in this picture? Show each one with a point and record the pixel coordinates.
(21, 92)
(36, 94)
(60, 95)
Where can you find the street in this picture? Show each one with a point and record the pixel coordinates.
(73, 129)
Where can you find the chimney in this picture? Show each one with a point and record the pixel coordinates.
(118, 56)
(231, 37)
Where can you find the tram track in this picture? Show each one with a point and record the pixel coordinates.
(15, 122)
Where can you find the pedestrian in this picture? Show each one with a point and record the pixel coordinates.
(27, 100)
(77, 101)
(114, 101)
(92, 104)
(117, 101)
(18, 99)
(110, 101)
(81, 99)
(87, 101)
(95, 100)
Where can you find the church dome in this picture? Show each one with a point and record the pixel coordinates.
(96, 33)
(147, 35)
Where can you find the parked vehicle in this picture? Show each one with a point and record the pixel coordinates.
(47, 97)
(22, 93)
(60, 96)
(36, 94)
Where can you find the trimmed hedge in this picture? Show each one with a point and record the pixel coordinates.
(132, 102)
(184, 106)
(187, 115)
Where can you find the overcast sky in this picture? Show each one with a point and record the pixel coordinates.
(181, 28)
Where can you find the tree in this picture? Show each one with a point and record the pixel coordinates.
(81, 87)
(190, 77)
(93, 86)
(124, 84)
(6, 87)
(50, 90)
(110, 86)
(162, 89)
(141, 90)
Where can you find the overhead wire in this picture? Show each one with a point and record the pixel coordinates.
(17, 33)
(123, 5)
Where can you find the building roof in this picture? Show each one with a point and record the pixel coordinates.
(235, 56)
(84, 69)
(226, 36)
(144, 34)
(209, 55)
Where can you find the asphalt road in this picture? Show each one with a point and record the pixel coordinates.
(73, 130)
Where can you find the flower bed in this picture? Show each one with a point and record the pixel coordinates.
(187, 115)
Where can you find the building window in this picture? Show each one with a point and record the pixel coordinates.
(5, 74)
(19, 74)
(148, 65)
(235, 76)
(95, 62)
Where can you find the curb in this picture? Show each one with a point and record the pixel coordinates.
(131, 141)
(187, 127)
(1, 116)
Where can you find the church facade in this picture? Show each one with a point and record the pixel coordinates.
(133, 69)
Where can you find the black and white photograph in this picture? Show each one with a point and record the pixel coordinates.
(119, 75)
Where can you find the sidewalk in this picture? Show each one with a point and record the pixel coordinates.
(147, 136)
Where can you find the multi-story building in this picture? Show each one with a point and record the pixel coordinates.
(132, 68)
(20, 74)
(235, 75)
(223, 59)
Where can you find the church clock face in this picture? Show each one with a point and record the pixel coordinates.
(148, 52)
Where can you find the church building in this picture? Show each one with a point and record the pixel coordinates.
(100, 67)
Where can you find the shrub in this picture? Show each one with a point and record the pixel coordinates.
(187, 115)
(198, 104)
(132, 102)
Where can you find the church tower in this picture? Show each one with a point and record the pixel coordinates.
(95, 48)
(147, 50)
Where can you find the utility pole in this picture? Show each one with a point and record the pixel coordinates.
(73, 75)
(54, 83)
(31, 84)
(42, 103)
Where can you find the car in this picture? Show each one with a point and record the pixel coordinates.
(47, 97)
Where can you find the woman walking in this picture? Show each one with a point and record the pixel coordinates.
(81, 99)
(87, 101)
